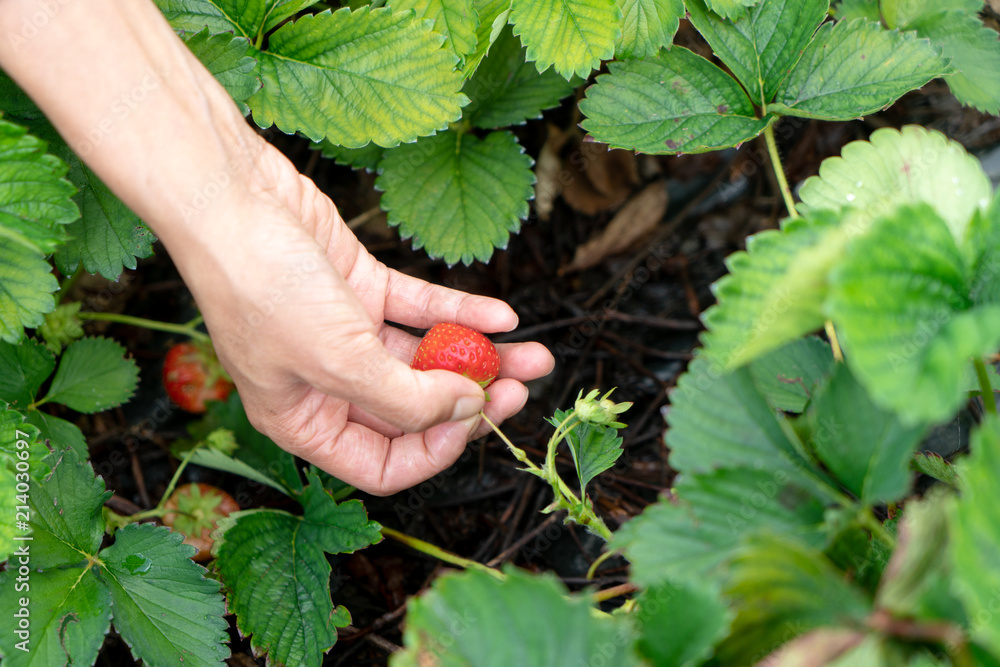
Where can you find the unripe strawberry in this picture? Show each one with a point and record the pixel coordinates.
(455, 348)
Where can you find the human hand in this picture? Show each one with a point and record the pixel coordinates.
(297, 309)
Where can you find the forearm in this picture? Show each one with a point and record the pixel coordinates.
(133, 102)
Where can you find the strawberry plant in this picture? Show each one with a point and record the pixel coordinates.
(792, 533)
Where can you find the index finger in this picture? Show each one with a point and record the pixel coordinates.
(418, 303)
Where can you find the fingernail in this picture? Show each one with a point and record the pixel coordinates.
(466, 407)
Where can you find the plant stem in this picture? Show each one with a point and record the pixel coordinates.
(592, 570)
(69, 281)
(440, 554)
(518, 453)
(989, 400)
(831, 333)
(183, 329)
(875, 527)
(614, 591)
(779, 171)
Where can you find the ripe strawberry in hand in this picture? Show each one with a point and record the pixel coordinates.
(455, 348)
(192, 375)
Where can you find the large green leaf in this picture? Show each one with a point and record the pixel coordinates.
(865, 447)
(974, 52)
(70, 612)
(902, 305)
(845, 10)
(788, 376)
(59, 432)
(23, 369)
(493, 16)
(900, 167)
(507, 90)
(166, 610)
(676, 102)
(66, 512)
(679, 623)
(981, 247)
(774, 291)
(458, 196)
(473, 619)
(716, 510)
(719, 419)
(573, 36)
(762, 45)
(242, 17)
(28, 285)
(93, 375)
(366, 157)
(274, 566)
(34, 195)
(855, 68)
(975, 535)
(457, 20)
(780, 589)
(731, 9)
(355, 77)
(901, 13)
(226, 58)
(14, 432)
(647, 26)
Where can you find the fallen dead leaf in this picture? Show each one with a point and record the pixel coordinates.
(547, 170)
(600, 179)
(629, 226)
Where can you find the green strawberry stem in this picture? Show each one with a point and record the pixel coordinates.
(779, 171)
(439, 553)
(183, 329)
(579, 511)
(989, 400)
(114, 521)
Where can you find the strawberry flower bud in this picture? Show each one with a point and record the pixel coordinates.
(599, 411)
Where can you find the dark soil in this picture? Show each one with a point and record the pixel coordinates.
(630, 322)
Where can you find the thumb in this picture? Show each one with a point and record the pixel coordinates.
(412, 400)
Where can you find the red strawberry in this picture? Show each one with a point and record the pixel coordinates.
(195, 509)
(192, 375)
(455, 348)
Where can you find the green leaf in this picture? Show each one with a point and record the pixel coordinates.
(8, 505)
(356, 77)
(676, 102)
(366, 157)
(23, 369)
(787, 377)
(594, 448)
(15, 103)
(865, 447)
(716, 510)
(900, 13)
(93, 375)
(279, 10)
(34, 195)
(70, 612)
(897, 167)
(165, 608)
(857, 9)
(855, 68)
(225, 57)
(457, 20)
(917, 582)
(721, 420)
(647, 26)
(255, 450)
(213, 458)
(780, 589)
(975, 534)
(15, 430)
(242, 18)
(573, 37)
(974, 53)
(274, 567)
(492, 19)
(472, 618)
(457, 196)
(59, 432)
(507, 90)
(762, 45)
(66, 512)
(934, 465)
(28, 285)
(731, 9)
(902, 307)
(679, 623)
